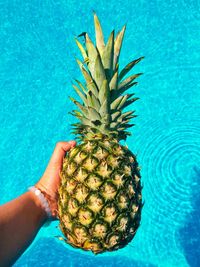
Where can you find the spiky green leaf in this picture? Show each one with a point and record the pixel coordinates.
(88, 78)
(129, 102)
(122, 102)
(107, 56)
(104, 97)
(82, 49)
(128, 80)
(81, 86)
(93, 101)
(117, 47)
(124, 122)
(99, 35)
(94, 115)
(81, 107)
(81, 95)
(92, 54)
(123, 89)
(113, 82)
(126, 114)
(115, 115)
(86, 74)
(104, 92)
(128, 67)
(114, 125)
(99, 72)
(126, 126)
(81, 117)
(116, 102)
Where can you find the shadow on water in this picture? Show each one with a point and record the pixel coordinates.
(49, 252)
(190, 234)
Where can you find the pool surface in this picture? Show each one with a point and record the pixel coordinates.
(37, 66)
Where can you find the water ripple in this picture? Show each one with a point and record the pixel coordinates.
(168, 157)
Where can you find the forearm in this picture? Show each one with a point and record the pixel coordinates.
(20, 220)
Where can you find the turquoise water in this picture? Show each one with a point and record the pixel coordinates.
(37, 65)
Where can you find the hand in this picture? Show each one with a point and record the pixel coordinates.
(50, 181)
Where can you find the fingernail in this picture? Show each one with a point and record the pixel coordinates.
(72, 143)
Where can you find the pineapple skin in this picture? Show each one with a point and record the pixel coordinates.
(100, 200)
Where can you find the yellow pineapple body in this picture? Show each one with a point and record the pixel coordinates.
(100, 212)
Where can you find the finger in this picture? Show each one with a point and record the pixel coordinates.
(60, 151)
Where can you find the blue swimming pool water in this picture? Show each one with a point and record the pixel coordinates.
(37, 65)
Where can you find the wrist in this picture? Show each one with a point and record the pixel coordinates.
(51, 198)
(42, 215)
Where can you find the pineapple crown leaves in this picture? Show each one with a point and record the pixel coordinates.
(102, 95)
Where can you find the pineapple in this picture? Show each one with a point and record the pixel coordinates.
(100, 199)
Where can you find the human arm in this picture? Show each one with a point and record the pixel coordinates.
(21, 218)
